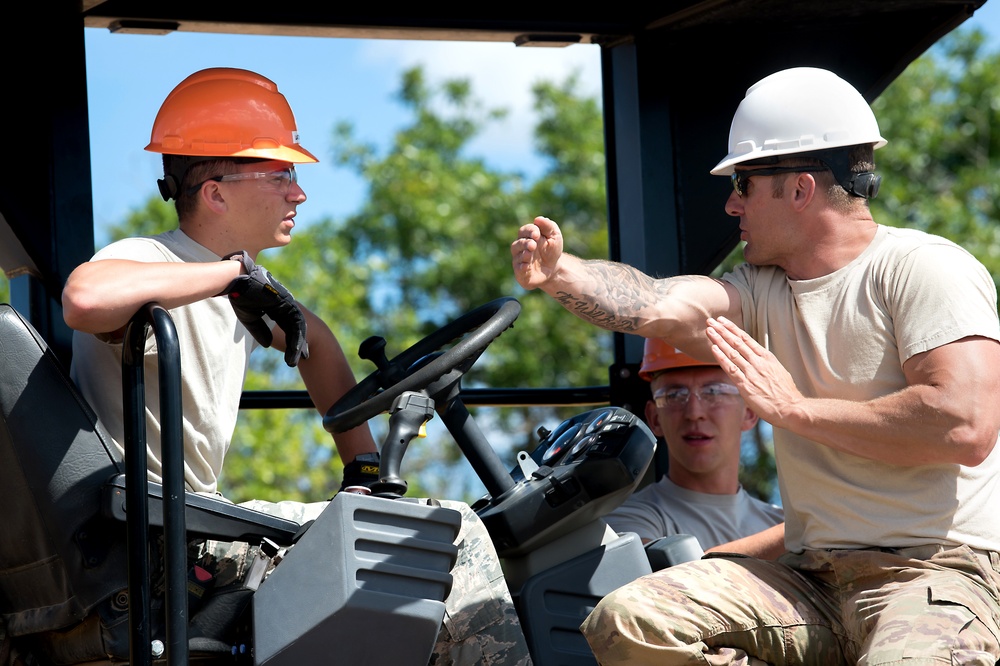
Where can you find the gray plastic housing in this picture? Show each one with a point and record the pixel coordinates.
(553, 603)
(674, 549)
(365, 584)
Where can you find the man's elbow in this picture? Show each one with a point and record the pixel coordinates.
(974, 443)
(73, 307)
(81, 308)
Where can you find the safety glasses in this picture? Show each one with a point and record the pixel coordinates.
(710, 395)
(280, 180)
(741, 179)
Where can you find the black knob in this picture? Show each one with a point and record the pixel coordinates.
(373, 349)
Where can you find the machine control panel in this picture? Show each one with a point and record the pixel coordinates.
(578, 472)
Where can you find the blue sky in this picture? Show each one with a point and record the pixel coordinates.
(325, 81)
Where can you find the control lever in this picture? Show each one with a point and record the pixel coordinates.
(526, 463)
(373, 349)
(409, 414)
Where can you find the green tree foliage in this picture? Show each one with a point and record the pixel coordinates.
(941, 167)
(572, 191)
(155, 217)
(432, 242)
(286, 454)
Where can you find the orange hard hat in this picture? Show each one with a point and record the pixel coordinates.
(227, 112)
(658, 355)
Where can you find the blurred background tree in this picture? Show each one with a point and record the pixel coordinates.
(432, 242)
(941, 166)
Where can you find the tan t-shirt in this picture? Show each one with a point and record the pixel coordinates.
(215, 353)
(846, 335)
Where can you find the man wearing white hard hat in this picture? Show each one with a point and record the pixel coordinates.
(873, 352)
(699, 414)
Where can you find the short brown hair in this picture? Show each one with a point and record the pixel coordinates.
(192, 174)
(840, 162)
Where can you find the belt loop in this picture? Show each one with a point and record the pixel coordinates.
(925, 552)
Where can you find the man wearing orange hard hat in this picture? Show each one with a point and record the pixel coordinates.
(230, 146)
(699, 414)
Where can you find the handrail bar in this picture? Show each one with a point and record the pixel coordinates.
(137, 503)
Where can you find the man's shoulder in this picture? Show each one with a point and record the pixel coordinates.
(750, 274)
(171, 245)
(906, 239)
(134, 247)
(663, 491)
(767, 508)
(913, 247)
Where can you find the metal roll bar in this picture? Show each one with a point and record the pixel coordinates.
(156, 317)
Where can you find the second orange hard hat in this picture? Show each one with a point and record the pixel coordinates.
(658, 355)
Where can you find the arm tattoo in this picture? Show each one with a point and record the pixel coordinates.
(592, 311)
(618, 294)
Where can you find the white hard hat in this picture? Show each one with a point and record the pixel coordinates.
(798, 110)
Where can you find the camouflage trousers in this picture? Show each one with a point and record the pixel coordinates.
(480, 624)
(924, 605)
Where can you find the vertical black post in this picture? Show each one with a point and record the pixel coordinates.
(172, 445)
(136, 500)
(172, 451)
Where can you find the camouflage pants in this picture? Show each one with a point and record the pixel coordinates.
(480, 625)
(925, 605)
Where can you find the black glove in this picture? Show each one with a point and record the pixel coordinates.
(257, 294)
(362, 471)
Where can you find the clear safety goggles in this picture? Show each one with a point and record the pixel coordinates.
(280, 180)
(710, 395)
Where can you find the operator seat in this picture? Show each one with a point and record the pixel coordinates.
(64, 579)
(63, 560)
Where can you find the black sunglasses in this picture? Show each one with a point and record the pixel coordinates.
(740, 179)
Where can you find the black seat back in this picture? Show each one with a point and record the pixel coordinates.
(59, 556)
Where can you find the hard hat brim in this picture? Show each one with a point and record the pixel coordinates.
(675, 364)
(729, 162)
(293, 154)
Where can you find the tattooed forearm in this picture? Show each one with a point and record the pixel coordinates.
(619, 297)
(593, 311)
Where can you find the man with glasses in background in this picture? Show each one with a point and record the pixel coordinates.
(700, 417)
(230, 145)
(873, 353)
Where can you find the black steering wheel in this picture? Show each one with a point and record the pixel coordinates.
(419, 366)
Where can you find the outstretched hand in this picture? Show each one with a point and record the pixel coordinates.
(536, 252)
(257, 294)
(765, 385)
